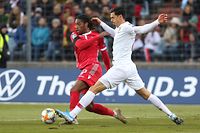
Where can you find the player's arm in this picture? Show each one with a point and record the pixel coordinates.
(107, 28)
(83, 43)
(104, 53)
(149, 27)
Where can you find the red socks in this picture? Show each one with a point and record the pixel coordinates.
(74, 99)
(102, 110)
(97, 108)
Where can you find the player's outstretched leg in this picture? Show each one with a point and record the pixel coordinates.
(118, 115)
(176, 119)
(159, 104)
(65, 115)
(102, 110)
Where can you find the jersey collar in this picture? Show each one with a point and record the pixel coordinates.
(123, 24)
(85, 34)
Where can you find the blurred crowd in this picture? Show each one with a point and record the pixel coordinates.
(52, 22)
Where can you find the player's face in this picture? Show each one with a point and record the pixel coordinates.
(115, 19)
(81, 27)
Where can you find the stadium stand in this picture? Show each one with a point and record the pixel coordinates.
(14, 13)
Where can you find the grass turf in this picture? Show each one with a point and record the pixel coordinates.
(25, 118)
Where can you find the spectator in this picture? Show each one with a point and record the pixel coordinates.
(36, 15)
(3, 46)
(105, 17)
(40, 38)
(47, 7)
(105, 3)
(68, 11)
(22, 6)
(152, 43)
(138, 9)
(34, 4)
(15, 20)
(3, 15)
(57, 13)
(14, 3)
(189, 33)
(68, 8)
(170, 39)
(77, 10)
(55, 44)
(196, 5)
(89, 11)
(128, 5)
(20, 37)
(138, 49)
(93, 4)
(138, 46)
(183, 4)
(69, 27)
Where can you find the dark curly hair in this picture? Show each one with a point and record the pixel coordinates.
(84, 18)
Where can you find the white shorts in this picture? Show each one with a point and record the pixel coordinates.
(122, 73)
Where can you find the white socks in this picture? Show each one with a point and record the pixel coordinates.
(159, 104)
(89, 96)
(84, 102)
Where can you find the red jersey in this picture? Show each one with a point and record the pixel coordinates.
(87, 47)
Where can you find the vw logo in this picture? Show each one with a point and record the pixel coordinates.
(12, 83)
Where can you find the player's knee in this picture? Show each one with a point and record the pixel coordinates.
(98, 87)
(93, 89)
(144, 93)
(145, 97)
(89, 108)
(74, 89)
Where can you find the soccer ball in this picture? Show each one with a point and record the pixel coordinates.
(48, 116)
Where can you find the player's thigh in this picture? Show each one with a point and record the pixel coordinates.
(135, 82)
(98, 87)
(80, 85)
(113, 77)
(143, 92)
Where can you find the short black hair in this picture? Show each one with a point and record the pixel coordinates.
(84, 18)
(118, 11)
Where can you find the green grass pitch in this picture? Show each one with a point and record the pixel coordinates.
(142, 118)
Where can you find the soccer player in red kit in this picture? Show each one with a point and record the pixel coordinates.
(87, 45)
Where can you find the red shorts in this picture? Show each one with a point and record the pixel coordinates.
(90, 74)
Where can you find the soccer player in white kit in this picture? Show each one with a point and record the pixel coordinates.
(123, 69)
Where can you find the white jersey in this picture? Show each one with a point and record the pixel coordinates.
(123, 42)
(124, 38)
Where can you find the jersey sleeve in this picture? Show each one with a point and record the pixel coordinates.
(104, 53)
(83, 43)
(102, 45)
(145, 28)
(108, 29)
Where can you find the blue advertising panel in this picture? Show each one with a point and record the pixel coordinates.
(53, 85)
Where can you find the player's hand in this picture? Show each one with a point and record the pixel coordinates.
(162, 18)
(96, 20)
(104, 33)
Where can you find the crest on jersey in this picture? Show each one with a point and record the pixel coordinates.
(74, 35)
